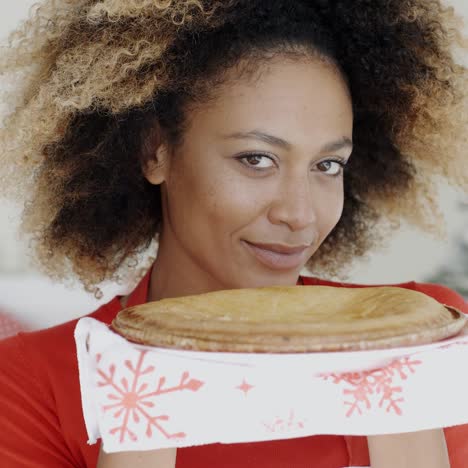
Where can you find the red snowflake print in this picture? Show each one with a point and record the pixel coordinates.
(134, 400)
(284, 425)
(245, 387)
(361, 385)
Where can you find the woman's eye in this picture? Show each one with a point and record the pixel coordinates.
(333, 167)
(257, 161)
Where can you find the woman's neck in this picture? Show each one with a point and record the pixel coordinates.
(175, 275)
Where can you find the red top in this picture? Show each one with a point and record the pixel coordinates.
(42, 423)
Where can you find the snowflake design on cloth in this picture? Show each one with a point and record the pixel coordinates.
(284, 424)
(133, 400)
(360, 387)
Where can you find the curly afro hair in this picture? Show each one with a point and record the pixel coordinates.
(94, 77)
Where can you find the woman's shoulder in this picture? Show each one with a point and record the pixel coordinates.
(40, 398)
(439, 292)
(47, 350)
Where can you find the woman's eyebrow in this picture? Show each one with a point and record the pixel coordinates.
(259, 135)
(343, 142)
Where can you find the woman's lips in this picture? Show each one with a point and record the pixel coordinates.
(276, 260)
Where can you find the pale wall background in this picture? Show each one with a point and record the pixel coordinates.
(38, 302)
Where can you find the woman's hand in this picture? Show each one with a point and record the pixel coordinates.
(162, 458)
(423, 449)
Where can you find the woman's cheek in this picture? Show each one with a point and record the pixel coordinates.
(236, 195)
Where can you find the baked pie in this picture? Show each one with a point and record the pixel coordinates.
(291, 319)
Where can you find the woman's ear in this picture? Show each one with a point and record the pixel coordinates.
(155, 168)
(155, 156)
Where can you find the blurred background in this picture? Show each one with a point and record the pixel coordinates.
(30, 301)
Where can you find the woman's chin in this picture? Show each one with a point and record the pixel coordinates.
(266, 280)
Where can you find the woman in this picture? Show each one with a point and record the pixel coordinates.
(224, 130)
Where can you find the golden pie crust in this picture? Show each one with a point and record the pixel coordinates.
(291, 319)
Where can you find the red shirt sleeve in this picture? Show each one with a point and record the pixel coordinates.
(31, 434)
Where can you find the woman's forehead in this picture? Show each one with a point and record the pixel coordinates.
(291, 100)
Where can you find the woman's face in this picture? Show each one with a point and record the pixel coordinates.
(256, 167)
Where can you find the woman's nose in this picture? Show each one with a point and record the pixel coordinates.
(294, 205)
